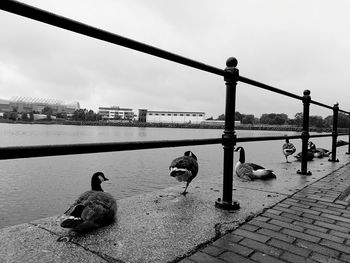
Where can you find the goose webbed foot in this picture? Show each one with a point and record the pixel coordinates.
(64, 239)
(184, 193)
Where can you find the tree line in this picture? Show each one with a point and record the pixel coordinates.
(283, 119)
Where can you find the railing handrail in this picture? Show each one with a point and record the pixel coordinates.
(15, 152)
(87, 30)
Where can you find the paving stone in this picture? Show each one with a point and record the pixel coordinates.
(325, 235)
(230, 257)
(324, 259)
(334, 245)
(213, 250)
(234, 247)
(287, 256)
(287, 225)
(289, 247)
(267, 249)
(265, 225)
(301, 235)
(263, 258)
(251, 235)
(317, 248)
(276, 235)
(201, 257)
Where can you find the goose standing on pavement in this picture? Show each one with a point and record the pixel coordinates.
(184, 168)
(288, 149)
(92, 209)
(251, 171)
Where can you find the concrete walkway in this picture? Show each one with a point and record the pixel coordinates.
(291, 219)
(312, 225)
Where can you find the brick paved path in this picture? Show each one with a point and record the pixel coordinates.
(313, 225)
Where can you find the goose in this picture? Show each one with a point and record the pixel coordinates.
(341, 143)
(311, 146)
(309, 156)
(251, 171)
(288, 149)
(92, 209)
(321, 152)
(184, 168)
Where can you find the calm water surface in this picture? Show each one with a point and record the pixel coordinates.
(39, 187)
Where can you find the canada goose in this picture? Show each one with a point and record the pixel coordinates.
(288, 149)
(251, 171)
(341, 143)
(321, 152)
(309, 156)
(311, 146)
(92, 209)
(184, 168)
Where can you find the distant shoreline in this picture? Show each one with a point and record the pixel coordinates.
(176, 125)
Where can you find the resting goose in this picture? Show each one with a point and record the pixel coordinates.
(309, 156)
(184, 168)
(288, 149)
(93, 209)
(321, 152)
(251, 171)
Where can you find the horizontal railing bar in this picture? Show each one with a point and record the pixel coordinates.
(276, 138)
(15, 152)
(347, 112)
(267, 87)
(67, 149)
(84, 29)
(321, 104)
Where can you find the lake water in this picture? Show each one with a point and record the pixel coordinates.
(34, 188)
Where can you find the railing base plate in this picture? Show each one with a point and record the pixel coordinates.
(227, 206)
(304, 173)
(334, 161)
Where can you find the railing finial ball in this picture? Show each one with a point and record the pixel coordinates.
(231, 62)
(307, 92)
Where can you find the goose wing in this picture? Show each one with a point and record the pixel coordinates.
(92, 209)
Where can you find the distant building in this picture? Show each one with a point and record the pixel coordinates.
(4, 106)
(116, 113)
(142, 115)
(175, 117)
(28, 104)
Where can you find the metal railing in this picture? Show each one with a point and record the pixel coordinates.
(228, 139)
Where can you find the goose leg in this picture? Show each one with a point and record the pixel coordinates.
(184, 192)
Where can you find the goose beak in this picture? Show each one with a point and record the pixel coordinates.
(106, 179)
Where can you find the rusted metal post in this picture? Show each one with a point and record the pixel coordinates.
(229, 136)
(305, 133)
(349, 136)
(334, 133)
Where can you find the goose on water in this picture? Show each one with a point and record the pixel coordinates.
(288, 149)
(92, 209)
(184, 168)
(251, 171)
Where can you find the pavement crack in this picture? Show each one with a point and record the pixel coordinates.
(98, 254)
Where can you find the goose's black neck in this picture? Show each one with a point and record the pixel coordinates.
(96, 184)
(241, 155)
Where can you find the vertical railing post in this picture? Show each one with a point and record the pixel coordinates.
(229, 137)
(349, 135)
(305, 133)
(334, 133)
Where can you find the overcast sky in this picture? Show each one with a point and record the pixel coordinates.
(291, 45)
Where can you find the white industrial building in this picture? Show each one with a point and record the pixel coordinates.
(116, 113)
(175, 117)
